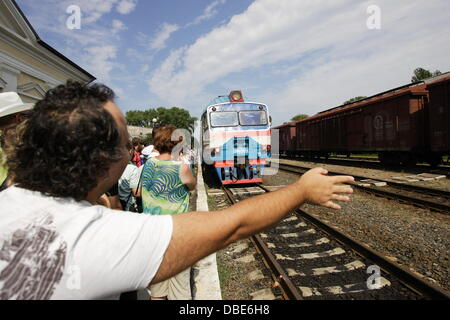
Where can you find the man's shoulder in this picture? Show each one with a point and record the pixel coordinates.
(27, 201)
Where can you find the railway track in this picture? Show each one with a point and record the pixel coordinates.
(444, 165)
(433, 199)
(372, 163)
(312, 260)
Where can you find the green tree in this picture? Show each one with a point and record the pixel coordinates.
(299, 117)
(177, 117)
(354, 99)
(422, 74)
(136, 118)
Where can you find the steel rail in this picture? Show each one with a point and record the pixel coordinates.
(375, 164)
(436, 206)
(290, 291)
(407, 278)
(437, 192)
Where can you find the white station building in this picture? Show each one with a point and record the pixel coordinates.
(28, 65)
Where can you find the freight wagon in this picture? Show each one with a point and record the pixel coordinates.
(439, 115)
(403, 125)
(392, 124)
(287, 138)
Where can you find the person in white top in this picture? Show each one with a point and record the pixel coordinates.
(127, 185)
(55, 243)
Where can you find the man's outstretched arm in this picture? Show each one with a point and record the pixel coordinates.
(196, 235)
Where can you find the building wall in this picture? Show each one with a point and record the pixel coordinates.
(26, 66)
(136, 132)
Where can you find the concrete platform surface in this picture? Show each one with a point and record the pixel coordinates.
(206, 283)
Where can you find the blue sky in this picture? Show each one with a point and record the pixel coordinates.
(297, 56)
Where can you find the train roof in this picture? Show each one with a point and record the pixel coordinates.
(218, 100)
(417, 88)
(226, 99)
(445, 77)
(411, 88)
(288, 124)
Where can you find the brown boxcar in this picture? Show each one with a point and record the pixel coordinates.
(287, 138)
(393, 124)
(439, 111)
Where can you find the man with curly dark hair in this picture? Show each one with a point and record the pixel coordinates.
(69, 142)
(57, 244)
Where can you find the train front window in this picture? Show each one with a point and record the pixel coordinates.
(224, 119)
(253, 118)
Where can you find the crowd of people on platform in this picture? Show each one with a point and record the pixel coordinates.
(87, 213)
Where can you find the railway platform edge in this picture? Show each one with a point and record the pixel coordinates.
(206, 277)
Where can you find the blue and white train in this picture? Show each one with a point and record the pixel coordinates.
(236, 139)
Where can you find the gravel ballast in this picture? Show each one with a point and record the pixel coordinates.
(441, 184)
(416, 238)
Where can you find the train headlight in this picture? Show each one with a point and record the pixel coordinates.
(236, 96)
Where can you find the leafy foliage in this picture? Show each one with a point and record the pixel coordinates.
(299, 117)
(177, 117)
(422, 74)
(354, 99)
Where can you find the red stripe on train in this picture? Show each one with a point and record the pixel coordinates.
(224, 164)
(243, 181)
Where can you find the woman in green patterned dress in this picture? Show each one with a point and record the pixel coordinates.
(165, 186)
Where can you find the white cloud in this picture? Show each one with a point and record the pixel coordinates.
(126, 6)
(100, 60)
(118, 26)
(159, 41)
(92, 10)
(209, 13)
(163, 34)
(95, 46)
(167, 70)
(138, 55)
(342, 58)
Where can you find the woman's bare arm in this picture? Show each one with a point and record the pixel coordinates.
(187, 177)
